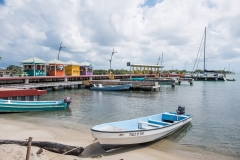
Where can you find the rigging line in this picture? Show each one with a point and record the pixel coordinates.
(198, 51)
(199, 57)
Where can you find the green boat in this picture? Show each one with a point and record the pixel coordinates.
(29, 106)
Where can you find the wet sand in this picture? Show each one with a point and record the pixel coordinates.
(76, 135)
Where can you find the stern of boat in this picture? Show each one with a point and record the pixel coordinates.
(68, 100)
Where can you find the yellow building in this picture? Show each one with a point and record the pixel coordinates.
(72, 68)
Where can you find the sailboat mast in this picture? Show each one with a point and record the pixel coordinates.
(204, 49)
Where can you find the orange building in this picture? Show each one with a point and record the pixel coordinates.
(55, 68)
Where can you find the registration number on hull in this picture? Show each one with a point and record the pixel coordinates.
(136, 134)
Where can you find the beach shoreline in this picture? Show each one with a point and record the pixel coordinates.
(81, 136)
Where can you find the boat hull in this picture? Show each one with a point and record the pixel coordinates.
(209, 78)
(111, 140)
(112, 88)
(28, 106)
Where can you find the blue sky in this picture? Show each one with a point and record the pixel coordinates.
(2, 2)
(151, 3)
(139, 30)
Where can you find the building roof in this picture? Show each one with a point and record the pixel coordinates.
(72, 63)
(55, 61)
(146, 65)
(86, 64)
(33, 60)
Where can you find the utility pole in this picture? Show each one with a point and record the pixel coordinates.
(60, 49)
(204, 49)
(162, 59)
(158, 60)
(111, 59)
(161, 65)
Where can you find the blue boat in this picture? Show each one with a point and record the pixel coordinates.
(140, 130)
(137, 79)
(29, 106)
(99, 87)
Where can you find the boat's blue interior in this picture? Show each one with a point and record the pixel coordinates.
(159, 120)
(30, 102)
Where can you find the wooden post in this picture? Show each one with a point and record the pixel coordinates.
(29, 148)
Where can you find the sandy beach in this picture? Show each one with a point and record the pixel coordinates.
(81, 136)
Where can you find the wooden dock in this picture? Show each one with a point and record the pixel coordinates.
(136, 85)
(43, 79)
(170, 80)
(45, 86)
(163, 81)
(190, 80)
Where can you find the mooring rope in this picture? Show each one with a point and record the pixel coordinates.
(69, 151)
(64, 153)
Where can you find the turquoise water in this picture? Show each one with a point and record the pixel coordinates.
(213, 132)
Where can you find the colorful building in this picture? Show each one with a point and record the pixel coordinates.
(72, 68)
(55, 68)
(34, 67)
(86, 68)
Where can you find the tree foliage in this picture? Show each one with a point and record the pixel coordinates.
(14, 69)
(123, 71)
(117, 71)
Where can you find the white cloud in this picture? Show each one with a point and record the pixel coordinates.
(237, 50)
(91, 29)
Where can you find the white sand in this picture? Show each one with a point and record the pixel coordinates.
(19, 130)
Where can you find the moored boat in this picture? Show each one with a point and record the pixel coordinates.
(140, 130)
(137, 79)
(100, 87)
(28, 106)
(207, 75)
(231, 79)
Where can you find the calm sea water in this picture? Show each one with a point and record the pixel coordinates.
(212, 134)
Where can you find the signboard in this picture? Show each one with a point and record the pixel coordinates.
(128, 64)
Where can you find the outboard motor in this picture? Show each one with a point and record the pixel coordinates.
(68, 100)
(180, 110)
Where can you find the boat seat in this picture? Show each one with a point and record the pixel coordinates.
(148, 125)
(169, 117)
(158, 122)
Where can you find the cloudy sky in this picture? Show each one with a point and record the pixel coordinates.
(140, 31)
